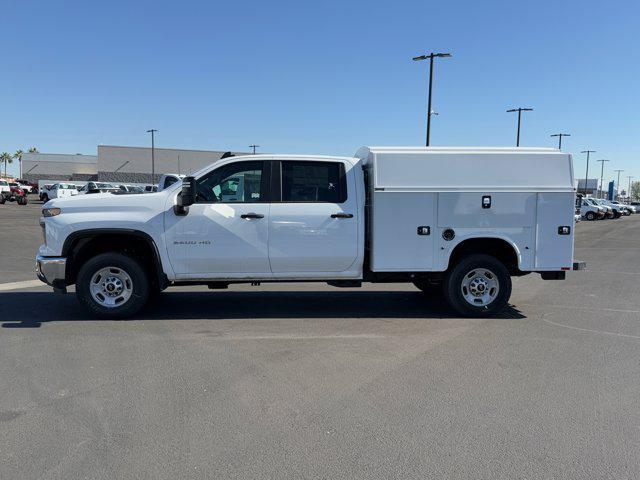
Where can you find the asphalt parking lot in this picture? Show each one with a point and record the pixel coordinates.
(310, 381)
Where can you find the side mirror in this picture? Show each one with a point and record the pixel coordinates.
(188, 195)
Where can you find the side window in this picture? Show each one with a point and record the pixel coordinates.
(323, 182)
(169, 181)
(239, 182)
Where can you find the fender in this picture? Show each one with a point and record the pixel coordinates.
(75, 237)
(481, 236)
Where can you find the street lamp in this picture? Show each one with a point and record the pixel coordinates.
(431, 56)
(560, 135)
(602, 160)
(153, 157)
(586, 177)
(629, 177)
(617, 185)
(254, 148)
(519, 110)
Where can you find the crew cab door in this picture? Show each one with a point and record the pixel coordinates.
(225, 233)
(313, 225)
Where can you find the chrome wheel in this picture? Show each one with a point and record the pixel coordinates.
(480, 287)
(111, 287)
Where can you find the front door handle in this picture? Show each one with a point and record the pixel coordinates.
(341, 215)
(252, 215)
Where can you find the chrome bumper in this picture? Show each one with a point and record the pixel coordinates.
(51, 270)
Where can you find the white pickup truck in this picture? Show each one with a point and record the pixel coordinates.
(460, 221)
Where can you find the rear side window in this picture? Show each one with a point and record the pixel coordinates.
(314, 182)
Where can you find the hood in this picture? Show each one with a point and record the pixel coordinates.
(108, 202)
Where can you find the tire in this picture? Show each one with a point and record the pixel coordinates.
(22, 200)
(123, 295)
(490, 273)
(3, 199)
(590, 216)
(616, 214)
(428, 288)
(45, 198)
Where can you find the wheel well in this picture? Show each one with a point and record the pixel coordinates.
(138, 246)
(496, 247)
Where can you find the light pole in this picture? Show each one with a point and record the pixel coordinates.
(431, 56)
(254, 148)
(153, 154)
(602, 160)
(560, 135)
(629, 177)
(586, 177)
(617, 185)
(519, 110)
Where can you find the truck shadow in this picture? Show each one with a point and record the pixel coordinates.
(31, 309)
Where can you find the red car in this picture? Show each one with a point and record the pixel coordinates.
(16, 194)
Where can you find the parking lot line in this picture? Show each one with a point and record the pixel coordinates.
(18, 285)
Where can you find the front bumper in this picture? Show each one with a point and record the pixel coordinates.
(51, 270)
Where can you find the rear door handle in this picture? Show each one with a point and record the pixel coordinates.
(341, 215)
(252, 215)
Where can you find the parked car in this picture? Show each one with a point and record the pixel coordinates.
(628, 209)
(169, 179)
(617, 211)
(591, 211)
(15, 194)
(608, 211)
(150, 188)
(28, 187)
(125, 189)
(428, 216)
(97, 187)
(60, 190)
(4, 187)
(43, 192)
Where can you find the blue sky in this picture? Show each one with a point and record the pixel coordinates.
(320, 77)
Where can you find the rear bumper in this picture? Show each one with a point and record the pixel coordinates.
(51, 270)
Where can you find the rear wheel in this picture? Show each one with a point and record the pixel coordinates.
(44, 198)
(22, 200)
(112, 286)
(477, 286)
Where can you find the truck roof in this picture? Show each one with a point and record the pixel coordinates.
(468, 168)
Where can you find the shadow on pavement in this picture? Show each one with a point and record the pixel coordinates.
(31, 309)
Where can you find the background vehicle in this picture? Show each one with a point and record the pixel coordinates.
(28, 187)
(169, 179)
(591, 211)
(61, 190)
(385, 215)
(614, 210)
(627, 209)
(150, 188)
(608, 211)
(97, 187)
(15, 194)
(123, 189)
(4, 187)
(43, 192)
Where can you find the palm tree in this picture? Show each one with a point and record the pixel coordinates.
(18, 155)
(33, 150)
(6, 158)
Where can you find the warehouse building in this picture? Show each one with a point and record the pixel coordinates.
(116, 164)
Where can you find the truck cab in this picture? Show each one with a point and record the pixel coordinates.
(384, 215)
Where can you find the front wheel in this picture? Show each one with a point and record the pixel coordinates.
(590, 216)
(477, 286)
(112, 286)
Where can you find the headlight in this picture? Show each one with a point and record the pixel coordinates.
(51, 212)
